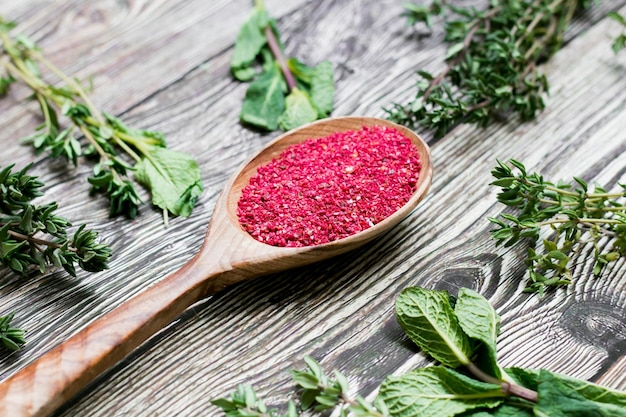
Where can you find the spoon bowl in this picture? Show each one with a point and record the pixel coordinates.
(228, 255)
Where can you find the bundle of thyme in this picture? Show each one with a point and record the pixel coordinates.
(33, 237)
(173, 178)
(573, 216)
(492, 62)
(22, 223)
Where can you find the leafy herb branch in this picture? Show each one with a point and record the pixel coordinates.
(172, 177)
(319, 392)
(460, 333)
(492, 62)
(575, 216)
(11, 338)
(33, 236)
(284, 92)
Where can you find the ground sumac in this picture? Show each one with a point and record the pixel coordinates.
(329, 188)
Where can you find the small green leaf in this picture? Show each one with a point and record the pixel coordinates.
(567, 397)
(617, 17)
(428, 319)
(323, 88)
(250, 41)
(265, 100)
(479, 320)
(299, 110)
(509, 409)
(454, 49)
(437, 391)
(172, 177)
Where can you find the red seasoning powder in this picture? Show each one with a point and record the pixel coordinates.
(329, 188)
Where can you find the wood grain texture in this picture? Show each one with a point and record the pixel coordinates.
(339, 311)
(228, 256)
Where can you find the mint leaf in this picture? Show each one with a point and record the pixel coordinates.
(301, 71)
(479, 321)
(504, 410)
(528, 378)
(428, 319)
(172, 177)
(299, 110)
(250, 41)
(265, 100)
(556, 400)
(318, 82)
(577, 396)
(437, 391)
(323, 88)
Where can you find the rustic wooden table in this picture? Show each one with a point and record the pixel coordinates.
(164, 65)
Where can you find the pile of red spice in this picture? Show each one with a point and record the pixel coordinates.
(329, 188)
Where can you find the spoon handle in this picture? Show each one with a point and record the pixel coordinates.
(55, 377)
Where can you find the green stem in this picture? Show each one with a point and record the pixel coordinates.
(280, 57)
(507, 387)
(120, 142)
(46, 112)
(71, 82)
(37, 241)
(588, 208)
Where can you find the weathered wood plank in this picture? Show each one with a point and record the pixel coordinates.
(339, 311)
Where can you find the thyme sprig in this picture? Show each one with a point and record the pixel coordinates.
(574, 215)
(492, 62)
(173, 178)
(11, 338)
(33, 236)
(319, 392)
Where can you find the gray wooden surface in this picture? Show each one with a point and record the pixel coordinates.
(164, 65)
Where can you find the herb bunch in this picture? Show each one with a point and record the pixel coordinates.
(575, 216)
(172, 177)
(33, 236)
(11, 338)
(284, 92)
(492, 62)
(460, 333)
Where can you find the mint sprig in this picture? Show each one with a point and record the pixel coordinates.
(283, 91)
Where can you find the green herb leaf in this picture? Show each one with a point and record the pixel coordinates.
(265, 100)
(250, 41)
(558, 398)
(323, 88)
(428, 319)
(172, 177)
(528, 378)
(479, 321)
(318, 82)
(299, 110)
(437, 391)
(11, 338)
(507, 409)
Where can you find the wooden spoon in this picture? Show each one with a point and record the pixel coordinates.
(227, 256)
